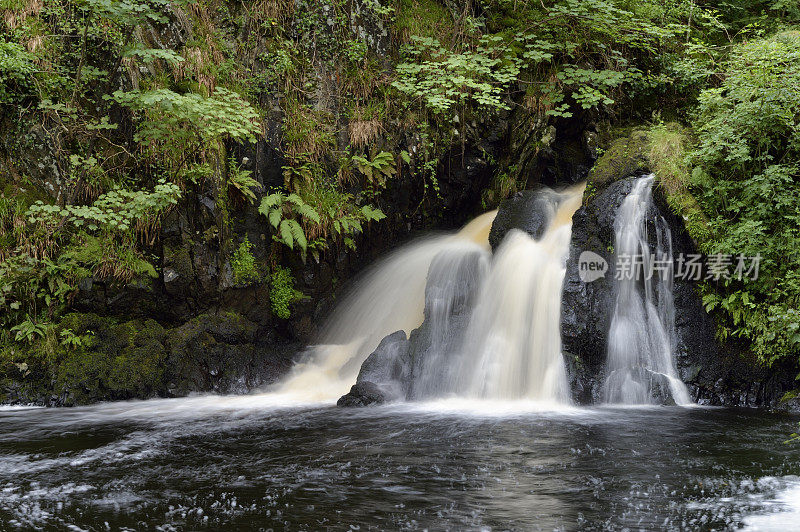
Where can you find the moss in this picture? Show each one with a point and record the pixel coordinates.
(669, 160)
(211, 352)
(424, 18)
(624, 157)
(282, 293)
(111, 360)
(243, 264)
(179, 259)
(86, 358)
(663, 150)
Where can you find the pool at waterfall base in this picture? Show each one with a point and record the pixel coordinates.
(266, 461)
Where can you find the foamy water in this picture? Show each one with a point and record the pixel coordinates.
(781, 511)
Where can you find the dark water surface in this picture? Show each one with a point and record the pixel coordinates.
(251, 462)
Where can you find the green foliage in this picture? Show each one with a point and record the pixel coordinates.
(115, 211)
(16, 71)
(323, 213)
(174, 126)
(75, 341)
(277, 206)
(441, 79)
(749, 141)
(378, 170)
(28, 331)
(33, 291)
(243, 264)
(282, 292)
(242, 181)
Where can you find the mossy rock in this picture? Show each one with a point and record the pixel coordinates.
(88, 358)
(661, 149)
(111, 361)
(222, 353)
(623, 158)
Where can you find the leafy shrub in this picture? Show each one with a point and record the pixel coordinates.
(747, 179)
(16, 71)
(243, 264)
(442, 79)
(282, 292)
(325, 213)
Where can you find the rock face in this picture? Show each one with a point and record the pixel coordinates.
(714, 375)
(223, 353)
(140, 359)
(587, 308)
(454, 279)
(417, 367)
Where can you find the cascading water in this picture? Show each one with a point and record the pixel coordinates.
(641, 340)
(491, 326)
(389, 298)
(511, 348)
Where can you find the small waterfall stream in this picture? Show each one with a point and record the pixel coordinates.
(641, 340)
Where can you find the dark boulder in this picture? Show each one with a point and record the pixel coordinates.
(384, 375)
(363, 394)
(413, 368)
(224, 353)
(454, 280)
(587, 308)
(529, 211)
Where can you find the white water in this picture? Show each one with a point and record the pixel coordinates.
(512, 347)
(389, 298)
(783, 511)
(641, 340)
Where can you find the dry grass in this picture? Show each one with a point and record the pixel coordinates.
(198, 62)
(363, 132)
(539, 102)
(14, 18)
(308, 133)
(271, 10)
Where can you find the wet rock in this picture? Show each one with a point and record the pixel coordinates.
(587, 308)
(363, 394)
(224, 353)
(715, 375)
(454, 279)
(384, 375)
(529, 211)
(412, 368)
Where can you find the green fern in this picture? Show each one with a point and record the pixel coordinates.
(378, 170)
(242, 181)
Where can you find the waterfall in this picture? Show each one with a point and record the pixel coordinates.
(388, 298)
(641, 340)
(511, 346)
(491, 324)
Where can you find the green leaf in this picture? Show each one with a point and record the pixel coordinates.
(287, 236)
